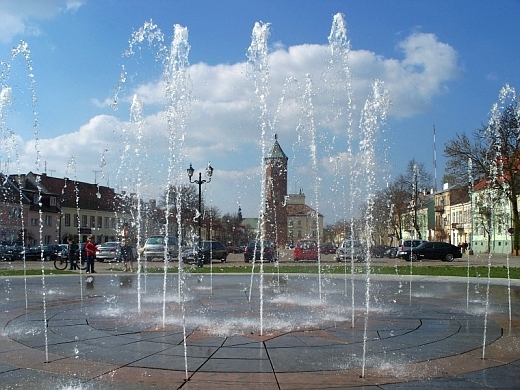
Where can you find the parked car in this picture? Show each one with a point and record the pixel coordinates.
(155, 246)
(209, 250)
(109, 251)
(327, 249)
(305, 250)
(405, 246)
(81, 251)
(10, 252)
(434, 250)
(63, 251)
(49, 252)
(391, 252)
(378, 251)
(254, 251)
(233, 249)
(351, 250)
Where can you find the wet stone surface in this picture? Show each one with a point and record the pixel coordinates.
(231, 331)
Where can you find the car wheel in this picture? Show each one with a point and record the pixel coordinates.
(246, 260)
(296, 260)
(101, 260)
(449, 257)
(47, 258)
(413, 257)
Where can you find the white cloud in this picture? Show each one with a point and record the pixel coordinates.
(19, 18)
(223, 121)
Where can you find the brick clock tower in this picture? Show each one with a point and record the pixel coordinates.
(276, 192)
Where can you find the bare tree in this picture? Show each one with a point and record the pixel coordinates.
(180, 202)
(419, 180)
(494, 155)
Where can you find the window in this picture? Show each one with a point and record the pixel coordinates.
(112, 223)
(67, 219)
(107, 222)
(34, 222)
(99, 222)
(84, 221)
(52, 201)
(76, 221)
(92, 221)
(15, 213)
(47, 240)
(48, 220)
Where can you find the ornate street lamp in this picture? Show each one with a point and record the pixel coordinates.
(209, 174)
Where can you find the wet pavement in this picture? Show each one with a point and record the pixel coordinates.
(128, 331)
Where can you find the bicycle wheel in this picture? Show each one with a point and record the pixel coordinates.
(81, 264)
(60, 263)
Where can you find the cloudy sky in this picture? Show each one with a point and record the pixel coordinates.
(87, 91)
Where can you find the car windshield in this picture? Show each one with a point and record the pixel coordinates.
(110, 244)
(160, 240)
(204, 245)
(306, 244)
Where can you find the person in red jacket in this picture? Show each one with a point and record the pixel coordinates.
(90, 251)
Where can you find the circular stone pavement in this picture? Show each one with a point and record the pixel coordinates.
(271, 332)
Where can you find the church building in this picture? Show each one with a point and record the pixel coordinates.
(286, 216)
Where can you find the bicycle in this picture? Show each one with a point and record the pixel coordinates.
(62, 263)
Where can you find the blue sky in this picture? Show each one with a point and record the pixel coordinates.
(442, 63)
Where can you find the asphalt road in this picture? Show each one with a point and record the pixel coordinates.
(286, 260)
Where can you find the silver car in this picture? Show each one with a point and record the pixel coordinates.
(109, 251)
(156, 247)
(350, 250)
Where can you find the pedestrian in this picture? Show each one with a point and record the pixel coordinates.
(126, 255)
(72, 253)
(90, 251)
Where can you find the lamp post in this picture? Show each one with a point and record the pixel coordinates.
(209, 173)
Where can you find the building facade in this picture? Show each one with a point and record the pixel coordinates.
(55, 208)
(302, 220)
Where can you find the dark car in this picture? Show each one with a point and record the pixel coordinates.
(80, 251)
(233, 249)
(210, 250)
(391, 252)
(405, 246)
(10, 252)
(433, 250)
(379, 251)
(49, 252)
(254, 251)
(327, 249)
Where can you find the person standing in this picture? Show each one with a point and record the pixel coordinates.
(90, 251)
(127, 256)
(72, 254)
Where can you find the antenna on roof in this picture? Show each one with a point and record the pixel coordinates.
(95, 176)
(434, 161)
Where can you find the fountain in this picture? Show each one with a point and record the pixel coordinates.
(292, 332)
